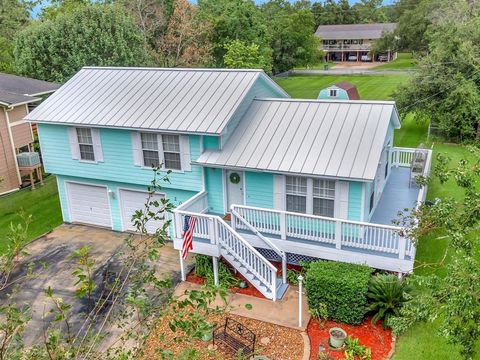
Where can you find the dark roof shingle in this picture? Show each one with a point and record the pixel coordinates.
(354, 31)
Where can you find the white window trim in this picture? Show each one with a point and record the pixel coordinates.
(309, 196)
(161, 153)
(75, 146)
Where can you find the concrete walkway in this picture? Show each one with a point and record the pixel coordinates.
(283, 312)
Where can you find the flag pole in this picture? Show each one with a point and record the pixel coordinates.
(182, 268)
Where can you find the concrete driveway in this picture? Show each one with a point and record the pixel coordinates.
(54, 249)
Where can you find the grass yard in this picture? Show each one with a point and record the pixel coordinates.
(404, 61)
(370, 87)
(42, 203)
(421, 342)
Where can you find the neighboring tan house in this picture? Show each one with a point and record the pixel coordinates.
(342, 90)
(267, 177)
(16, 136)
(353, 42)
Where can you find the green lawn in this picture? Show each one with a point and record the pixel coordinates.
(421, 342)
(370, 87)
(42, 203)
(404, 61)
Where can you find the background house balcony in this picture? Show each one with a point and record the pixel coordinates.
(346, 47)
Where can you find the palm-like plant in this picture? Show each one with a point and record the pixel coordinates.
(387, 294)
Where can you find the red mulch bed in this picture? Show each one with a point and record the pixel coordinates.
(371, 335)
(250, 290)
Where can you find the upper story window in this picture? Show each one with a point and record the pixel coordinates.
(85, 143)
(296, 194)
(161, 148)
(323, 197)
(333, 92)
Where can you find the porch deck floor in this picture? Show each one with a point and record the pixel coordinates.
(396, 196)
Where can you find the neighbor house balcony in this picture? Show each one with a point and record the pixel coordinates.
(254, 233)
(346, 47)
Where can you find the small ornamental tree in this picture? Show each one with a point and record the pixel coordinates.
(243, 56)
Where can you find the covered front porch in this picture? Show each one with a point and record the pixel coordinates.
(250, 237)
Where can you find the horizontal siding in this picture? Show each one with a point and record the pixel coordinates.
(259, 188)
(177, 197)
(355, 201)
(214, 187)
(260, 89)
(211, 142)
(118, 163)
(22, 135)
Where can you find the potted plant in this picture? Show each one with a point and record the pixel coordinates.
(337, 337)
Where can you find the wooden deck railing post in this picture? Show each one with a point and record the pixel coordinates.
(402, 244)
(338, 234)
(178, 225)
(283, 226)
(211, 231)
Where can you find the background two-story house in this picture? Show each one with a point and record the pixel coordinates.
(306, 175)
(17, 96)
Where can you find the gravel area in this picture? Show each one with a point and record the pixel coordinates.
(275, 342)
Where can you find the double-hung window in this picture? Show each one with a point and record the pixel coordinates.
(310, 196)
(161, 148)
(85, 143)
(296, 194)
(171, 152)
(333, 92)
(323, 197)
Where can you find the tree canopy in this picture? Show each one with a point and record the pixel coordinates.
(100, 35)
(448, 78)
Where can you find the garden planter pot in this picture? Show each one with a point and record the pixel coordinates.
(337, 337)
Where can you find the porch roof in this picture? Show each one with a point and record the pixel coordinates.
(325, 138)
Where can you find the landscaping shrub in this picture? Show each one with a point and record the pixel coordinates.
(204, 269)
(387, 294)
(341, 287)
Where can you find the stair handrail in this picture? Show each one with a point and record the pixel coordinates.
(252, 228)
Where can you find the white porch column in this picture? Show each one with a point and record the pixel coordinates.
(283, 226)
(182, 267)
(338, 234)
(284, 269)
(215, 270)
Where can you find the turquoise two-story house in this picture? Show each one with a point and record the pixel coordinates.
(268, 177)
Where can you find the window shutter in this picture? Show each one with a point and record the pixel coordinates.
(73, 140)
(97, 145)
(279, 192)
(137, 148)
(185, 153)
(342, 199)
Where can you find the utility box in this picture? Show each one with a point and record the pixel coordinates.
(28, 159)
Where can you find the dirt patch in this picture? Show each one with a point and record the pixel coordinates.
(273, 341)
(371, 335)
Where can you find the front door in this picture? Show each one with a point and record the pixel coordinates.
(234, 188)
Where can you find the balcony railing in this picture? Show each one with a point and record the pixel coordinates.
(347, 47)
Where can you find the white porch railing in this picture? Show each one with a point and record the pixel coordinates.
(330, 231)
(402, 156)
(219, 233)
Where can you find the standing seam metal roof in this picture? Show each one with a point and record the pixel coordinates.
(170, 99)
(341, 139)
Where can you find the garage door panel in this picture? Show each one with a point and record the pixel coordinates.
(131, 201)
(89, 204)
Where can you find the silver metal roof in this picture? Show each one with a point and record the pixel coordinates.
(325, 138)
(354, 31)
(169, 99)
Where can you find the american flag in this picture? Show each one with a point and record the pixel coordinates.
(188, 228)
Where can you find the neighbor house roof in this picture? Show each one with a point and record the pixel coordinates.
(354, 31)
(328, 138)
(12, 99)
(26, 86)
(168, 99)
(350, 89)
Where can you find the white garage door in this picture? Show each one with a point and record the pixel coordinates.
(89, 204)
(131, 201)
